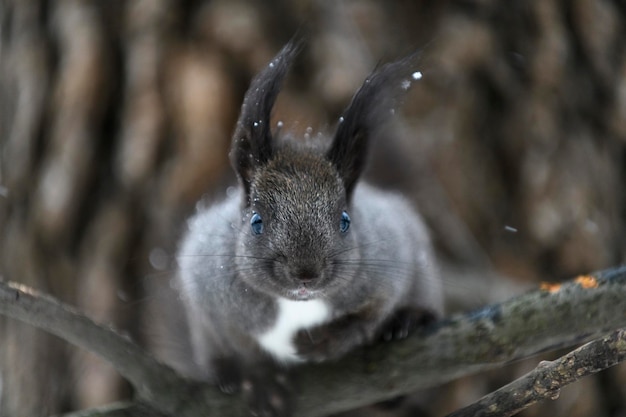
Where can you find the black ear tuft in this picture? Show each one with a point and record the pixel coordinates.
(369, 110)
(252, 142)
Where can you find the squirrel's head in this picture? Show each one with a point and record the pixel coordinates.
(297, 221)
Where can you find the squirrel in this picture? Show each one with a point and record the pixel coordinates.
(303, 262)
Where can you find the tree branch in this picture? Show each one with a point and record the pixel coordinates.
(157, 385)
(125, 409)
(549, 318)
(549, 377)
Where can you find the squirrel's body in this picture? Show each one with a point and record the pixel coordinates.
(303, 262)
(390, 275)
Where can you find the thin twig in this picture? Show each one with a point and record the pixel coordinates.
(546, 381)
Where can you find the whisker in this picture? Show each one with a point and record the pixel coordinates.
(358, 246)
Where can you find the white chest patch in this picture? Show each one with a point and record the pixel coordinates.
(292, 316)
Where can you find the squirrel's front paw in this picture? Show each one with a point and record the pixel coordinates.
(313, 344)
(405, 321)
(331, 340)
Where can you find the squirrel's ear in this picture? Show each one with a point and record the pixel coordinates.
(252, 143)
(367, 113)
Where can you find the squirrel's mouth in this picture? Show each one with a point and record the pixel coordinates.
(303, 293)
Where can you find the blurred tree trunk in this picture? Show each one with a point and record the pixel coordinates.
(92, 186)
(115, 118)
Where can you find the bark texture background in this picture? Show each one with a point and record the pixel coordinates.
(115, 118)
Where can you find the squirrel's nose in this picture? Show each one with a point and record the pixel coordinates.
(307, 274)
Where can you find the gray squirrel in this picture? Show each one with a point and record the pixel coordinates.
(302, 263)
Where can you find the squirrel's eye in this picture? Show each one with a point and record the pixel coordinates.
(256, 223)
(344, 224)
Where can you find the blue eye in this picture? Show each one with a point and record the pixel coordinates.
(256, 223)
(344, 224)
